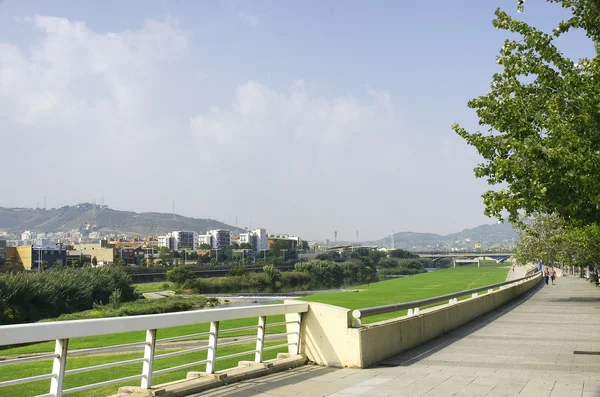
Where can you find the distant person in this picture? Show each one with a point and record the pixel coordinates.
(552, 276)
(546, 276)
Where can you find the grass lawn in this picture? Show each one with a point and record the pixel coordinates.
(43, 367)
(420, 286)
(142, 288)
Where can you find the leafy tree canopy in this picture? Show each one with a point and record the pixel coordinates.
(542, 118)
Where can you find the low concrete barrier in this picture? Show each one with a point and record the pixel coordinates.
(327, 336)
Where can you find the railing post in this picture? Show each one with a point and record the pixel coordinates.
(58, 367)
(212, 347)
(295, 349)
(149, 349)
(417, 311)
(260, 338)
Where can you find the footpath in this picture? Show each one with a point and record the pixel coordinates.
(545, 344)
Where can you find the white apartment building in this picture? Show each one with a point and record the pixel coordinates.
(257, 239)
(167, 241)
(220, 238)
(205, 239)
(179, 239)
(185, 239)
(28, 236)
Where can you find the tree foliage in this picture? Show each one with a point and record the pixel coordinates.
(551, 239)
(542, 117)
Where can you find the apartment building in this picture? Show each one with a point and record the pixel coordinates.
(220, 238)
(257, 239)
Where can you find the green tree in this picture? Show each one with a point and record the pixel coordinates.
(542, 118)
(539, 236)
(180, 274)
(204, 246)
(119, 262)
(245, 246)
(272, 274)
(237, 270)
(165, 255)
(44, 265)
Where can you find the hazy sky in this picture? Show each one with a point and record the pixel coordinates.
(302, 117)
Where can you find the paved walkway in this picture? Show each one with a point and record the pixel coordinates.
(525, 349)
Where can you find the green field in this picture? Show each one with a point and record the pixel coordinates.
(420, 286)
(43, 367)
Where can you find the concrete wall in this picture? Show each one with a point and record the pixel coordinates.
(327, 336)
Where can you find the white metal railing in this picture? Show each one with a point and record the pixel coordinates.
(62, 332)
(414, 307)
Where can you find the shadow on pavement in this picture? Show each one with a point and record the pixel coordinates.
(425, 350)
(268, 383)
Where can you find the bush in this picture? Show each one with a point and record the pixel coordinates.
(149, 306)
(237, 270)
(32, 296)
(180, 274)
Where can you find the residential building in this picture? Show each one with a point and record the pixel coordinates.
(205, 239)
(220, 238)
(130, 255)
(167, 241)
(257, 239)
(186, 239)
(27, 236)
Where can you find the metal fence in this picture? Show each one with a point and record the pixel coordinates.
(62, 331)
(413, 307)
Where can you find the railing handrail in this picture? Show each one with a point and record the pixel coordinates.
(39, 332)
(358, 314)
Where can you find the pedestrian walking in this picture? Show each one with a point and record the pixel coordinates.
(546, 276)
(552, 276)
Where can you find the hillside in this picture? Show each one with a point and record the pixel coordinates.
(489, 236)
(93, 217)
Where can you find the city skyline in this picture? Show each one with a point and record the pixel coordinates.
(309, 117)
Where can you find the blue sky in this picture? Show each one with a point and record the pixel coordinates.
(301, 117)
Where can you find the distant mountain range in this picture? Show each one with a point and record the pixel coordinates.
(488, 236)
(100, 218)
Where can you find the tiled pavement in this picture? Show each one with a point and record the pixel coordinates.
(524, 349)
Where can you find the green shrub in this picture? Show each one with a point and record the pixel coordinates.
(180, 274)
(32, 296)
(145, 306)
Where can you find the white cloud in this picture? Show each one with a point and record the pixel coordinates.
(84, 103)
(299, 124)
(248, 18)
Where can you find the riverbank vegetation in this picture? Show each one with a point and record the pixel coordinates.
(32, 296)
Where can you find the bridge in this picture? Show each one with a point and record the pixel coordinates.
(518, 338)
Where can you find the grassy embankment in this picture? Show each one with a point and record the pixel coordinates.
(386, 292)
(420, 286)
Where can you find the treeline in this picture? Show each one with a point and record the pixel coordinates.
(32, 296)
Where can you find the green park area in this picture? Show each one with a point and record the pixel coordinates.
(397, 290)
(420, 286)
